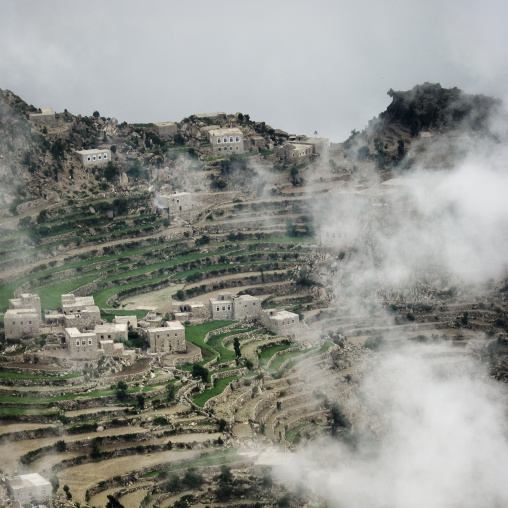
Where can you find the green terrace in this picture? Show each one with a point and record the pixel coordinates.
(219, 386)
(42, 272)
(267, 353)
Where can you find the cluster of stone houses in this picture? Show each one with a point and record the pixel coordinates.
(88, 337)
(238, 308)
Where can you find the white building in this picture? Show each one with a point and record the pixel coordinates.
(94, 157)
(241, 308)
(226, 141)
(167, 339)
(26, 488)
(21, 323)
(280, 322)
(47, 115)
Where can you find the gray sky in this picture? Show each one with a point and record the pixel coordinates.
(324, 65)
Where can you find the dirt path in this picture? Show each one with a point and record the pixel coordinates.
(80, 478)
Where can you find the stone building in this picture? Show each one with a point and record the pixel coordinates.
(47, 115)
(80, 312)
(167, 339)
(165, 129)
(82, 345)
(23, 318)
(29, 488)
(26, 301)
(128, 320)
(226, 141)
(246, 307)
(241, 308)
(21, 323)
(280, 322)
(175, 204)
(222, 306)
(299, 148)
(184, 311)
(94, 157)
(112, 331)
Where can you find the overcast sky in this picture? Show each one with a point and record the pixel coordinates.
(302, 66)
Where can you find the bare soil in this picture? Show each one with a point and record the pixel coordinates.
(80, 478)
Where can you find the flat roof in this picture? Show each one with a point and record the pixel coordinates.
(223, 132)
(92, 151)
(209, 115)
(21, 311)
(246, 297)
(74, 332)
(114, 327)
(165, 124)
(175, 325)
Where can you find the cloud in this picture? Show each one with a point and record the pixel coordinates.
(444, 440)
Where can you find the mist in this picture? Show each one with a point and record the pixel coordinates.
(443, 440)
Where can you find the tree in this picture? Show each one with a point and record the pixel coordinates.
(173, 484)
(113, 502)
(236, 344)
(141, 401)
(113, 149)
(294, 176)
(95, 452)
(67, 491)
(55, 483)
(222, 424)
(110, 171)
(60, 446)
(193, 479)
(199, 371)
(121, 390)
(180, 295)
(96, 114)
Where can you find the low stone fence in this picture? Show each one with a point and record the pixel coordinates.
(280, 353)
(227, 373)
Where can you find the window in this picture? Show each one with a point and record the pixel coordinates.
(237, 148)
(89, 342)
(100, 157)
(21, 323)
(229, 307)
(225, 140)
(231, 148)
(83, 342)
(102, 336)
(94, 157)
(89, 158)
(105, 156)
(29, 322)
(223, 307)
(109, 336)
(158, 336)
(77, 343)
(219, 140)
(218, 308)
(176, 334)
(231, 139)
(220, 149)
(237, 138)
